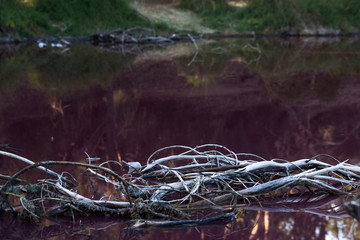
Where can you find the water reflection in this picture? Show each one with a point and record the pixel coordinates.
(277, 99)
(256, 225)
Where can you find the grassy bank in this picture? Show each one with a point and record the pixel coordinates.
(76, 17)
(275, 15)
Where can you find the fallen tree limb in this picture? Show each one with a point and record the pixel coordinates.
(181, 178)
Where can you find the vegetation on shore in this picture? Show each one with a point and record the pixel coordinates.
(37, 17)
(74, 17)
(278, 15)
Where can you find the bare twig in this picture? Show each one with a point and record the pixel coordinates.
(46, 163)
(31, 163)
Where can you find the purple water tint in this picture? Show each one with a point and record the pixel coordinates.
(277, 107)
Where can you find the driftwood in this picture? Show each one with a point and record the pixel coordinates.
(138, 35)
(170, 186)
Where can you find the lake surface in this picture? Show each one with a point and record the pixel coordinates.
(287, 99)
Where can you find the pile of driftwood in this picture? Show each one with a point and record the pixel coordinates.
(136, 35)
(175, 181)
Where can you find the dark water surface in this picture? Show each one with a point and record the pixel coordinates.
(277, 99)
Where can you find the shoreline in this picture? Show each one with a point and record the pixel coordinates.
(108, 39)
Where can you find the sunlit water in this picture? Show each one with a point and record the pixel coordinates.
(286, 99)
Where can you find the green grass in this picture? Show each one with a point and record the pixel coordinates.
(344, 15)
(69, 16)
(14, 14)
(78, 17)
(274, 15)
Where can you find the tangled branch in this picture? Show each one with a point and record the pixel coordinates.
(176, 179)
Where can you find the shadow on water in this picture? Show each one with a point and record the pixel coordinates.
(278, 99)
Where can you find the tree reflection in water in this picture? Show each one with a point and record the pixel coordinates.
(290, 103)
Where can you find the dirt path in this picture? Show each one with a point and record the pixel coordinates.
(179, 19)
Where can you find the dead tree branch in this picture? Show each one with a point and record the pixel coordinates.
(181, 177)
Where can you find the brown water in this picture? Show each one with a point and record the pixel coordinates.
(277, 99)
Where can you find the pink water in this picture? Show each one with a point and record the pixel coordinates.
(284, 103)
